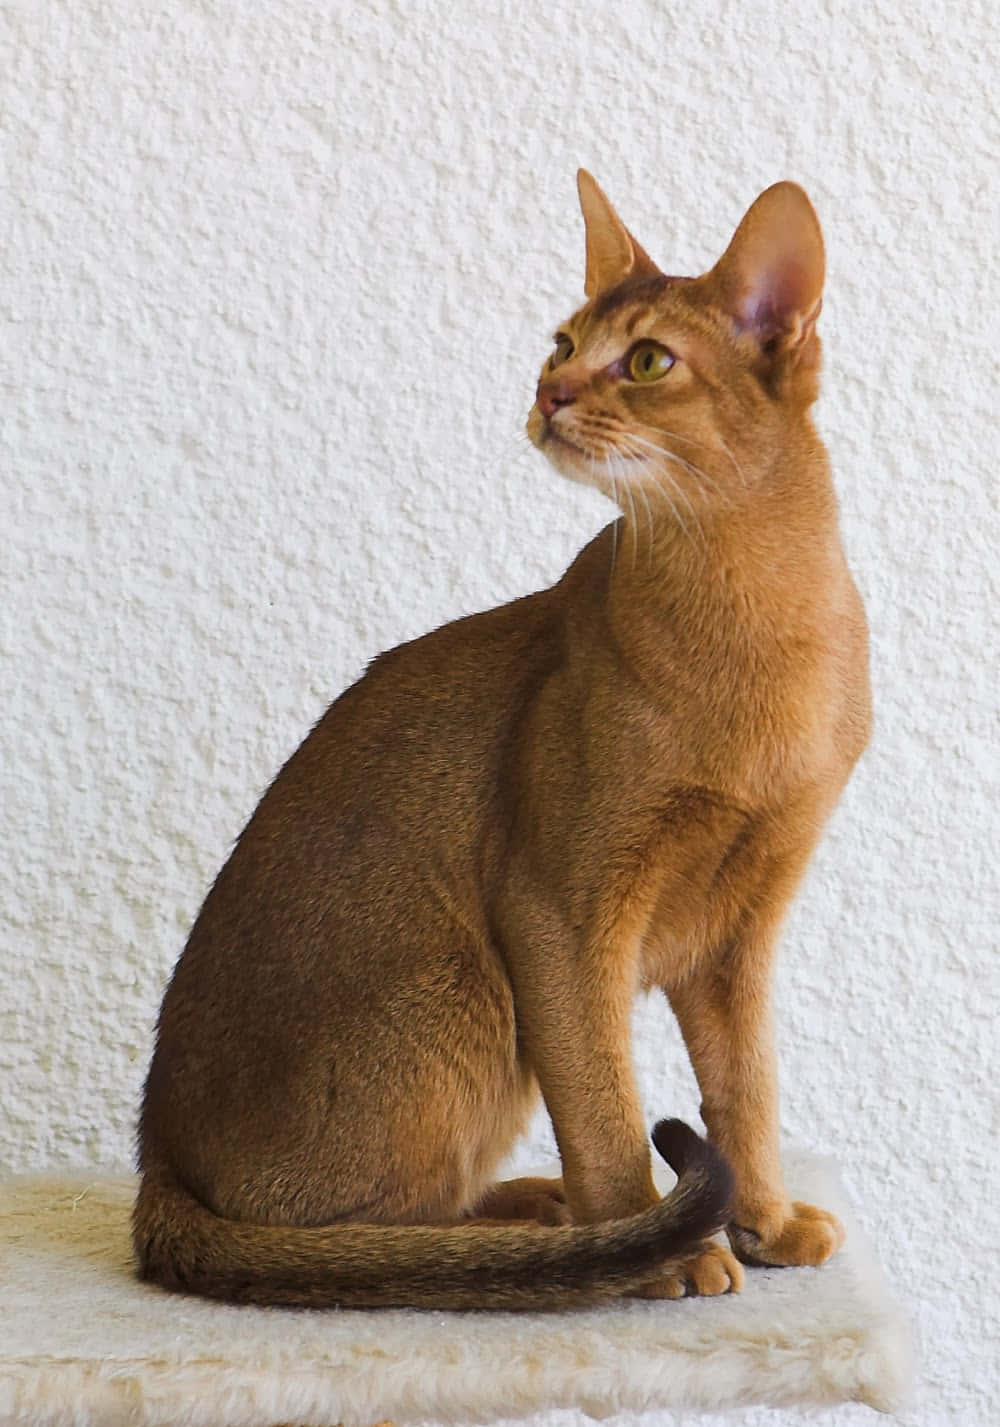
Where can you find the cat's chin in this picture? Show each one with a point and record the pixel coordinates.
(569, 459)
(571, 463)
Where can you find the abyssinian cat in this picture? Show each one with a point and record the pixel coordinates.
(453, 891)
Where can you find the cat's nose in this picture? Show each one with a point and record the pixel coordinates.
(551, 395)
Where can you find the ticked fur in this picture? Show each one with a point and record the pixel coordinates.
(451, 894)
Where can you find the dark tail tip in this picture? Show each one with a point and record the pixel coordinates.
(679, 1145)
(687, 1153)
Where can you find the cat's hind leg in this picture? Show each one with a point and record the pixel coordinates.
(542, 1200)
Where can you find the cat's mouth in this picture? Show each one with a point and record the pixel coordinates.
(551, 436)
(544, 434)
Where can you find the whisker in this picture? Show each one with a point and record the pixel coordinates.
(604, 467)
(680, 460)
(613, 447)
(626, 486)
(634, 442)
(614, 528)
(628, 448)
(660, 477)
(661, 474)
(606, 426)
(639, 490)
(739, 469)
(635, 521)
(649, 522)
(514, 449)
(676, 436)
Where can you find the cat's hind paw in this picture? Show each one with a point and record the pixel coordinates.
(711, 1269)
(541, 1200)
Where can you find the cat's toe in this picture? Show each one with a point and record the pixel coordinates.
(710, 1270)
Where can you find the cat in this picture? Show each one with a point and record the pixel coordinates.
(451, 894)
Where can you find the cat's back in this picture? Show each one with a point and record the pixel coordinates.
(398, 774)
(421, 729)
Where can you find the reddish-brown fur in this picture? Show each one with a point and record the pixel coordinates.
(451, 894)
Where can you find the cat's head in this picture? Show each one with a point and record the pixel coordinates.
(678, 384)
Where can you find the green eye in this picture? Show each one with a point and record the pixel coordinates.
(563, 351)
(648, 362)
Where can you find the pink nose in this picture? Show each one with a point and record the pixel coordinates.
(551, 395)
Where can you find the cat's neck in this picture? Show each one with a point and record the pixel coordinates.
(762, 567)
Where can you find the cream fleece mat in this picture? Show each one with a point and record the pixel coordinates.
(83, 1342)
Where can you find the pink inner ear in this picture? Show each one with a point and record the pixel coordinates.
(774, 300)
(770, 278)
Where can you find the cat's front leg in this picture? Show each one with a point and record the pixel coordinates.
(574, 1002)
(724, 1011)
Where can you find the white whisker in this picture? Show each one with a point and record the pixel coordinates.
(661, 474)
(664, 475)
(680, 461)
(626, 486)
(739, 469)
(698, 470)
(635, 521)
(649, 523)
(614, 528)
(624, 463)
(514, 450)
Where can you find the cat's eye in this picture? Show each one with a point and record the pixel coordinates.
(563, 351)
(648, 362)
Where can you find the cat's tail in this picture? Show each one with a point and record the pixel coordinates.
(184, 1246)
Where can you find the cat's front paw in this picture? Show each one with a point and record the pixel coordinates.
(710, 1269)
(804, 1236)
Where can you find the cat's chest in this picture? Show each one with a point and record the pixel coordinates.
(743, 682)
(714, 871)
(751, 728)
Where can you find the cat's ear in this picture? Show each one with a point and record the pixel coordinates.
(770, 278)
(612, 252)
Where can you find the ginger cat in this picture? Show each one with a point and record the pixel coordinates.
(452, 892)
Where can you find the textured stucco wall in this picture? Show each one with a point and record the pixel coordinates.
(275, 281)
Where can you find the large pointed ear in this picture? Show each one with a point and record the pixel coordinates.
(612, 252)
(770, 278)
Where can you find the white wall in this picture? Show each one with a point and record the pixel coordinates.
(275, 279)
